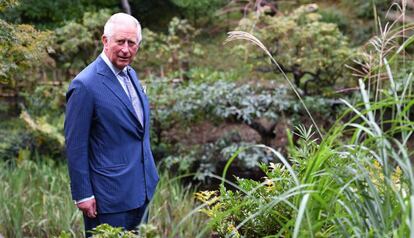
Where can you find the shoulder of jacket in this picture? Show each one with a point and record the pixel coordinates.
(87, 75)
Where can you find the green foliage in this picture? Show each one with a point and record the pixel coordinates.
(40, 136)
(198, 9)
(22, 49)
(356, 182)
(338, 187)
(51, 14)
(173, 210)
(208, 75)
(107, 231)
(337, 17)
(46, 100)
(49, 138)
(40, 126)
(35, 199)
(13, 138)
(205, 160)
(258, 209)
(367, 9)
(185, 104)
(4, 4)
(77, 43)
(313, 51)
(169, 53)
(203, 5)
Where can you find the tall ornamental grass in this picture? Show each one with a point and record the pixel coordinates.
(173, 210)
(35, 199)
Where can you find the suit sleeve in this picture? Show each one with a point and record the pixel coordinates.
(78, 119)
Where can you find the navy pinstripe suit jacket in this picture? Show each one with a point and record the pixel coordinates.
(108, 150)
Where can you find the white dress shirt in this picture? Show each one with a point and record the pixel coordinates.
(116, 71)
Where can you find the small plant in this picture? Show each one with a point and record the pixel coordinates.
(107, 231)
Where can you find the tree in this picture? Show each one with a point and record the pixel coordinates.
(77, 43)
(193, 9)
(7, 3)
(22, 50)
(51, 14)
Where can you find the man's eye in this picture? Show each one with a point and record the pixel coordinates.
(131, 43)
(120, 42)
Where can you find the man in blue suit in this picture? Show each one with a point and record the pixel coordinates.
(111, 167)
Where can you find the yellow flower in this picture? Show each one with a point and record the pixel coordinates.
(208, 197)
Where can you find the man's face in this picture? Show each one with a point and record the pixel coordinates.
(122, 46)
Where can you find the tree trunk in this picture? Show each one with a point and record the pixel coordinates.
(126, 7)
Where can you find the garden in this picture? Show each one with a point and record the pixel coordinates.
(269, 118)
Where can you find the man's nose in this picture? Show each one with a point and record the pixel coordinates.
(125, 47)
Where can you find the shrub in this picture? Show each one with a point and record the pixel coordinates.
(171, 53)
(205, 161)
(311, 50)
(184, 104)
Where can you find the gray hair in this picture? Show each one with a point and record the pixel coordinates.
(121, 18)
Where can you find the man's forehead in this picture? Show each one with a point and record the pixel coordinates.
(124, 36)
(125, 28)
(125, 31)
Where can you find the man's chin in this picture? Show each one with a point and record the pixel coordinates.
(122, 65)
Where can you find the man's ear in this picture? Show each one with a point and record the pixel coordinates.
(104, 40)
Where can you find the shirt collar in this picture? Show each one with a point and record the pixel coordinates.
(114, 69)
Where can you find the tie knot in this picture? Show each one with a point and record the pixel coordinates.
(123, 75)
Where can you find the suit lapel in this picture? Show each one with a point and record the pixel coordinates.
(112, 83)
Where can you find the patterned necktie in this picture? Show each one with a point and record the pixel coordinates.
(136, 104)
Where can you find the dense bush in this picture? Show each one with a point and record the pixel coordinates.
(221, 100)
(199, 10)
(260, 108)
(39, 129)
(311, 50)
(78, 42)
(22, 51)
(47, 14)
(171, 53)
(207, 160)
